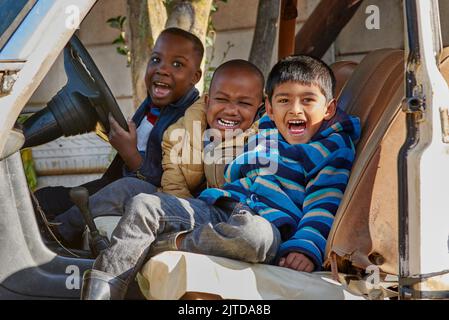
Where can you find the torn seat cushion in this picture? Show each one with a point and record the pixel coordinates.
(172, 274)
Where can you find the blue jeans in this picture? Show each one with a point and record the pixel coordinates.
(109, 201)
(151, 224)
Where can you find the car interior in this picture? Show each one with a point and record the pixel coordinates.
(365, 231)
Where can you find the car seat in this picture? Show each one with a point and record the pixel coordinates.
(365, 229)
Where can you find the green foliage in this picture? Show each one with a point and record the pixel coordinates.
(22, 118)
(27, 159)
(214, 7)
(116, 22)
(210, 70)
(210, 41)
(122, 47)
(168, 4)
(28, 167)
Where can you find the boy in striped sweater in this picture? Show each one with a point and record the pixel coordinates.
(279, 200)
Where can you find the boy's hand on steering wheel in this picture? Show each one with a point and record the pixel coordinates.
(297, 261)
(125, 142)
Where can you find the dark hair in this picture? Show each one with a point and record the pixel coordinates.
(304, 69)
(242, 65)
(197, 44)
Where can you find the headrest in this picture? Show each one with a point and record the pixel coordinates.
(365, 227)
(342, 72)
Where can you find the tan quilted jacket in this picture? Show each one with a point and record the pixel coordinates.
(182, 147)
(184, 171)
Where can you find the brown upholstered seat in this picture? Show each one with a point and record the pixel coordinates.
(444, 64)
(365, 230)
(342, 71)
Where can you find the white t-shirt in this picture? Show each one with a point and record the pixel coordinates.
(144, 129)
(143, 133)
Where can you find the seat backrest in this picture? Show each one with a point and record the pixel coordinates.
(342, 72)
(444, 64)
(365, 230)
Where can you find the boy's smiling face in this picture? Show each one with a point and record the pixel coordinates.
(233, 100)
(173, 69)
(299, 110)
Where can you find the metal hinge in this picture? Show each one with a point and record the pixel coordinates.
(426, 286)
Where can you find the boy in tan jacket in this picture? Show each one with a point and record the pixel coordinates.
(230, 108)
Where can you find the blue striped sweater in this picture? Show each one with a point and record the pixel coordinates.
(298, 187)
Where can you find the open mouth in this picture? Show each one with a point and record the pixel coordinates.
(228, 124)
(160, 89)
(296, 127)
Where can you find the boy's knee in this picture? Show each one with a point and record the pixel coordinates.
(259, 237)
(132, 186)
(142, 205)
(143, 211)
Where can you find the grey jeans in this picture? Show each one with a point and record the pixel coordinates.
(109, 201)
(151, 224)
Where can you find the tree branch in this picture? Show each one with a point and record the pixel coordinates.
(265, 34)
(146, 20)
(324, 25)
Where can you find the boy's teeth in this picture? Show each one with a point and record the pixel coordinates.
(296, 127)
(160, 91)
(296, 121)
(227, 123)
(161, 84)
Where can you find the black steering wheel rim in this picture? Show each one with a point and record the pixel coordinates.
(105, 103)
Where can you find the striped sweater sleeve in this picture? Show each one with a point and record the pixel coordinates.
(323, 194)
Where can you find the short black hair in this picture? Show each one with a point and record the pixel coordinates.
(196, 42)
(304, 69)
(242, 65)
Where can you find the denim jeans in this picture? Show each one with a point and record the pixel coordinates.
(109, 201)
(151, 224)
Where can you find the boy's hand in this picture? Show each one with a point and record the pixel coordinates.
(297, 261)
(125, 143)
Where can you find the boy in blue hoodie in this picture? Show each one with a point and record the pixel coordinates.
(280, 196)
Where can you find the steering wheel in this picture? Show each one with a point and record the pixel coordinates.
(81, 106)
(84, 75)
